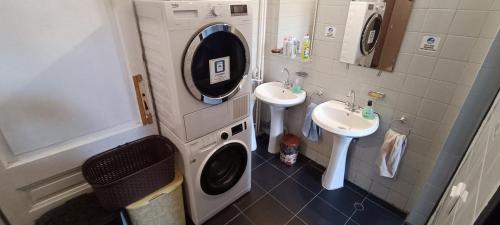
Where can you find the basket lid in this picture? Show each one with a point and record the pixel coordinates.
(290, 140)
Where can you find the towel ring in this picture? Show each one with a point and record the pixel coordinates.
(316, 93)
(404, 122)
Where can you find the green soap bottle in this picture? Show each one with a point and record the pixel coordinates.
(368, 111)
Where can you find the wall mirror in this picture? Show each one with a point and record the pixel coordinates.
(291, 21)
(374, 33)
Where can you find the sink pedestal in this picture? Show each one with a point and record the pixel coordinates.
(333, 178)
(276, 130)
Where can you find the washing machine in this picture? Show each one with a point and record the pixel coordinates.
(217, 169)
(362, 32)
(198, 58)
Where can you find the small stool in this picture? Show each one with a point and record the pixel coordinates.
(289, 149)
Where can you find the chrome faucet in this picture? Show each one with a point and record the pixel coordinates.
(286, 82)
(351, 106)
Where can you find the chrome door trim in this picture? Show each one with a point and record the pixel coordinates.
(188, 58)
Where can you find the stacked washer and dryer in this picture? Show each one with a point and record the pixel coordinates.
(198, 57)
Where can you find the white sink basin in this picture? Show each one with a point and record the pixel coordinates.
(333, 116)
(278, 98)
(274, 93)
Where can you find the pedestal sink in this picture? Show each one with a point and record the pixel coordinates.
(334, 116)
(278, 97)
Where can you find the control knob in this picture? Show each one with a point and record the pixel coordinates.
(224, 136)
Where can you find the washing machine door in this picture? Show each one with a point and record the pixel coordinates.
(224, 168)
(215, 63)
(371, 32)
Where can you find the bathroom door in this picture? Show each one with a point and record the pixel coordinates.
(68, 90)
(478, 174)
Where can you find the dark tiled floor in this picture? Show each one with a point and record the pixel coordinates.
(294, 196)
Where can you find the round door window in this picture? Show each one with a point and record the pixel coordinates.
(370, 35)
(224, 169)
(215, 63)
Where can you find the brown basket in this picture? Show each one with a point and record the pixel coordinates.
(129, 172)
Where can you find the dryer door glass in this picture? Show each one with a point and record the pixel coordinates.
(215, 63)
(370, 34)
(224, 169)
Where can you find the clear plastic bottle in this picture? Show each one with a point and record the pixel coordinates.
(285, 46)
(306, 48)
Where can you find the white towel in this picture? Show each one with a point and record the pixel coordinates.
(310, 130)
(391, 153)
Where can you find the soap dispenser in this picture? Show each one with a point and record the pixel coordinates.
(368, 112)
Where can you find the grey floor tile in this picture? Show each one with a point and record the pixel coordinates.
(267, 176)
(292, 195)
(256, 160)
(251, 197)
(343, 199)
(374, 214)
(310, 176)
(268, 211)
(223, 216)
(240, 220)
(296, 221)
(319, 212)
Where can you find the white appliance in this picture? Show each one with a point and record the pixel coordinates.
(362, 31)
(216, 169)
(198, 58)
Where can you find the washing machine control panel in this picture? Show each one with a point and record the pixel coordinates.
(224, 10)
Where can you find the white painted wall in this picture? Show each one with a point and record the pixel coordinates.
(428, 88)
(58, 63)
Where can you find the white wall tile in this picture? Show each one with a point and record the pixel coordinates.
(451, 114)
(449, 70)
(457, 47)
(490, 27)
(416, 20)
(480, 50)
(421, 4)
(440, 91)
(419, 144)
(415, 85)
(409, 43)
(393, 80)
(379, 190)
(422, 65)
(495, 6)
(403, 62)
(469, 74)
(444, 4)
(432, 110)
(425, 128)
(438, 21)
(475, 4)
(326, 15)
(327, 49)
(460, 95)
(408, 103)
(468, 23)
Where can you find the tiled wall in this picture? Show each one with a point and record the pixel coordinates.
(295, 17)
(428, 88)
(471, 116)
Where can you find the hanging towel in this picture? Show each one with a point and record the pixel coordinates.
(310, 130)
(391, 153)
